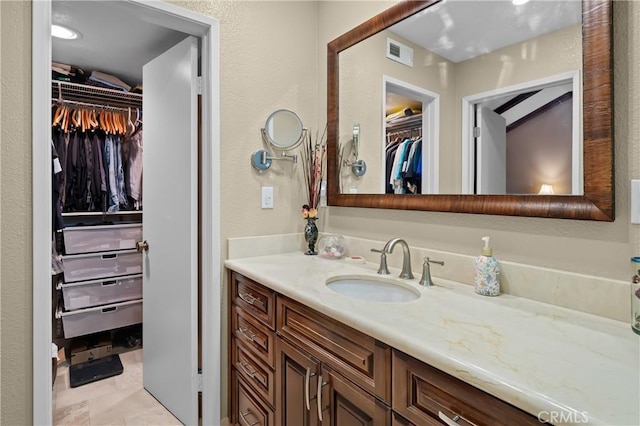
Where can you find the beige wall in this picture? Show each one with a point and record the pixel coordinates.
(15, 187)
(268, 61)
(273, 55)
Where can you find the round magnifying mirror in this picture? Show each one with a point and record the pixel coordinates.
(284, 130)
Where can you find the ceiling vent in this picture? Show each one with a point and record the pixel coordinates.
(399, 52)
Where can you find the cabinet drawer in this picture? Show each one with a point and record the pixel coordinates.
(254, 298)
(84, 294)
(80, 267)
(101, 318)
(398, 420)
(253, 334)
(247, 409)
(422, 393)
(353, 354)
(257, 374)
(87, 239)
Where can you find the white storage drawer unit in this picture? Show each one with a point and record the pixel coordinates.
(92, 266)
(101, 318)
(83, 294)
(88, 239)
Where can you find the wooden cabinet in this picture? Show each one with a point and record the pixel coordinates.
(293, 366)
(342, 403)
(310, 394)
(250, 410)
(252, 353)
(358, 357)
(423, 394)
(296, 383)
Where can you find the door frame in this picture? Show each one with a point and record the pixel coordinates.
(468, 116)
(207, 29)
(430, 121)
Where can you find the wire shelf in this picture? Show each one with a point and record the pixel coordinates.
(83, 94)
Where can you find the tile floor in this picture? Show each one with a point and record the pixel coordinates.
(119, 400)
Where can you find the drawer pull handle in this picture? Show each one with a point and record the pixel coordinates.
(453, 421)
(247, 369)
(111, 309)
(249, 335)
(109, 283)
(244, 420)
(248, 297)
(306, 388)
(321, 383)
(109, 256)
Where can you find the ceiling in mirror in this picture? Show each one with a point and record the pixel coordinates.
(457, 29)
(466, 99)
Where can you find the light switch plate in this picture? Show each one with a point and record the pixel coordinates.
(635, 201)
(267, 197)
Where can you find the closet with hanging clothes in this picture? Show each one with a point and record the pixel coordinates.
(97, 141)
(403, 153)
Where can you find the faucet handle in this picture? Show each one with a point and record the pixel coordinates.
(428, 260)
(383, 269)
(426, 271)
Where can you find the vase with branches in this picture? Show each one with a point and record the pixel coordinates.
(313, 161)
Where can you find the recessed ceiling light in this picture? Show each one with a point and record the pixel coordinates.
(64, 32)
(519, 2)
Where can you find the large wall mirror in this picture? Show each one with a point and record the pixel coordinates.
(476, 106)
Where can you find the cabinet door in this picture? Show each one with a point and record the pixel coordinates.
(341, 403)
(296, 385)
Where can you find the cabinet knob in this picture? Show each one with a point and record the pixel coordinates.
(142, 246)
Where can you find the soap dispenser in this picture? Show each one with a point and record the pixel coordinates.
(487, 273)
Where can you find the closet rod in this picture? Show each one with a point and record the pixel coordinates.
(93, 106)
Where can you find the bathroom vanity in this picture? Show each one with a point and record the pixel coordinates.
(303, 354)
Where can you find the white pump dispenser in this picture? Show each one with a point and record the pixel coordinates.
(487, 272)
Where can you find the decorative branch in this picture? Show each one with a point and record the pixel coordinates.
(313, 168)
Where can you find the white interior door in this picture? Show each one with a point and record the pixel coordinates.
(170, 226)
(491, 149)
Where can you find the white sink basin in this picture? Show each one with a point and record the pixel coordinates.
(373, 289)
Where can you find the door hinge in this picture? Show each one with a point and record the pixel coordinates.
(199, 381)
(199, 84)
(476, 132)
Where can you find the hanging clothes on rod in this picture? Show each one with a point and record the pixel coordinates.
(403, 157)
(92, 142)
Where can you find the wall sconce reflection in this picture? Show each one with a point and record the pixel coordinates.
(546, 189)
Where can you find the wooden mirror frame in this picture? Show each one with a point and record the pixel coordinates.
(597, 203)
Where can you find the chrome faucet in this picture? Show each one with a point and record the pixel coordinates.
(426, 272)
(406, 261)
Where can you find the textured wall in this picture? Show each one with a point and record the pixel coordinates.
(602, 249)
(15, 186)
(268, 61)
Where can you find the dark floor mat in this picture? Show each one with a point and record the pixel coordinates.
(92, 371)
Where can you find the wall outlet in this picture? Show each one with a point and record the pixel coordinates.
(267, 197)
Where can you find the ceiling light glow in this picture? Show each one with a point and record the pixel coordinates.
(63, 32)
(519, 2)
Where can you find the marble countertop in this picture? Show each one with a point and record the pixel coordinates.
(580, 368)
